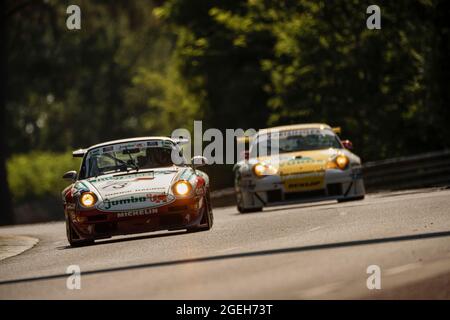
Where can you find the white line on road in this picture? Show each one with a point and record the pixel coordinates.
(319, 290)
(403, 268)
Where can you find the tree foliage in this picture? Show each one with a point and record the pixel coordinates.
(260, 63)
(111, 79)
(149, 67)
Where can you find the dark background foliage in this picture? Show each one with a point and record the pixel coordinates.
(149, 67)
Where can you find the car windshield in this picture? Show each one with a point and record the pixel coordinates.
(298, 140)
(128, 156)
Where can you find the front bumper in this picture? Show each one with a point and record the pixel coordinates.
(96, 224)
(271, 190)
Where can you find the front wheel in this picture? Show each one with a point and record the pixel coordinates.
(72, 237)
(241, 209)
(249, 210)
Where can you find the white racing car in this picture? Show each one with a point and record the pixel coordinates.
(312, 164)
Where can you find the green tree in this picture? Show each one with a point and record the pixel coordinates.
(260, 62)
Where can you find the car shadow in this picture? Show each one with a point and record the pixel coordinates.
(129, 238)
(241, 255)
(283, 207)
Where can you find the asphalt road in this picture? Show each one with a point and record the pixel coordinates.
(307, 251)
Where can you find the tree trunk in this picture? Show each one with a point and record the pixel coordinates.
(6, 210)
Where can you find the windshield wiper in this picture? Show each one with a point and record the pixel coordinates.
(132, 160)
(132, 165)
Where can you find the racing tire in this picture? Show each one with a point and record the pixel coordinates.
(71, 237)
(352, 199)
(245, 210)
(249, 210)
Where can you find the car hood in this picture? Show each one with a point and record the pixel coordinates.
(156, 181)
(302, 161)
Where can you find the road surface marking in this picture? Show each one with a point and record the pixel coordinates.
(319, 290)
(314, 229)
(403, 268)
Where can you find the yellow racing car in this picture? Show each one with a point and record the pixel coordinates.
(311, 163)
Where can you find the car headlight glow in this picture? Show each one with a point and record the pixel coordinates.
(261, 169)
(182, 188)
(340, 162)
(88, 199)
(258, 169)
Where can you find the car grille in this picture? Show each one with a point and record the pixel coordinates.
(98, 217)
(170, 220)
(304, 195)
(274, 196)
(105, 227)
(177, 208)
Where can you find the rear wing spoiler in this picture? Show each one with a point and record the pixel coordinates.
(79, 153)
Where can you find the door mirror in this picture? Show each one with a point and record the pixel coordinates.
(70, 176)
(198, 161)
(347, 144)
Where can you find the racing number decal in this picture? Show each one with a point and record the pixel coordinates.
(116, 185)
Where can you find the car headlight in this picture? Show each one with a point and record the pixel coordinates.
(261, 169)
(88, 199)
(340, 162)
(182, 188)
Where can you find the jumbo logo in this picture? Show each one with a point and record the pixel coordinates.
(138, 201)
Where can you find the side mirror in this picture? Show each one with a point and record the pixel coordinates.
(347, 144)
(198, 161)
(70, 176)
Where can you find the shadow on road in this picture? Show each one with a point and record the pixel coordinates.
(142, 237)
(246, 255)
(332, 204)
(283, 207)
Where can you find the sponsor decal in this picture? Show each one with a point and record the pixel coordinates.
(304, 182)
(144, 178)
(301, 165)
(300, 132)
(137, 213)
(153, 143)
(301, 160)
(130, 145)
(78, 188)
(136, 201)
(116, 185)
(146, 175)
(158, 198)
